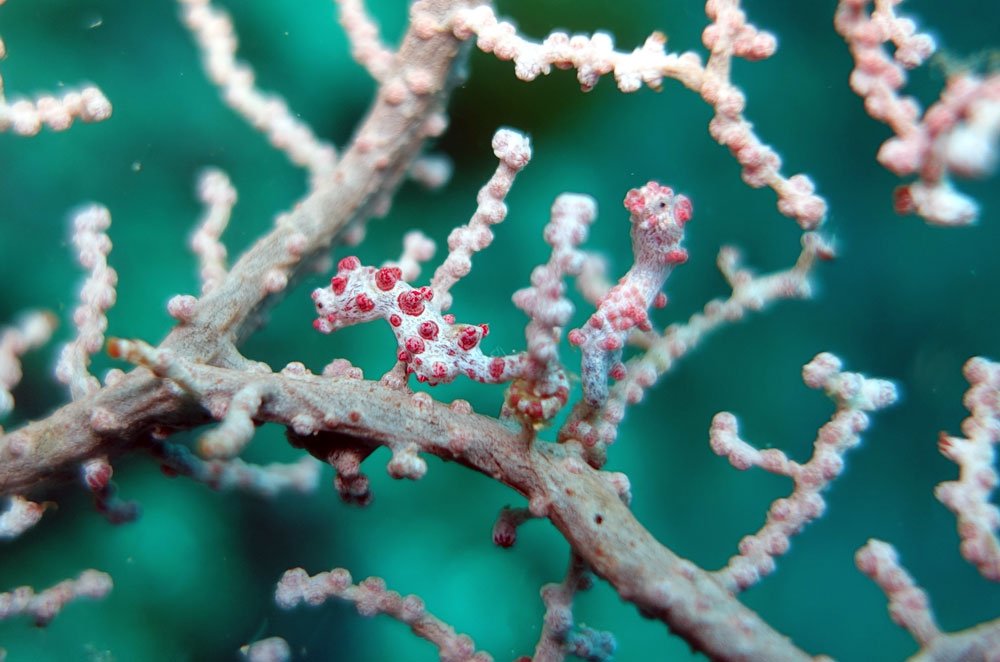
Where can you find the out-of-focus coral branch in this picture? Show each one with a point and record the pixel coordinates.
(729, 35)
(559, 637)
(218, 195)
(910, 608)
(268, 113)
(592, 282)
(371, 597)
(25, 117)
(417, 249)
(92, 243)
(958, 134)
(19, 516)
(33, 330)
(432, 171)
(366, 44)
(272, 649)
(97, 474)
(45, 606)
(969, 496)
(235, 474)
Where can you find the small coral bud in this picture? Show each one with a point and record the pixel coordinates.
(682, 210)
(386, 278)
(496, 368)
(411, 302)
(611, 343)
(468, 338)
(428, 330)
(275, 281)
(115, 348)
(512, 148)
(181, 307)
(349, 263)
(634, 201)
(504, 534)
(675, 257)
(902, 201)
(97, 474)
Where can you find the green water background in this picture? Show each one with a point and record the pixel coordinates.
(194, 577)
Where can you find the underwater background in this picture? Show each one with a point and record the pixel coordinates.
(194, 577)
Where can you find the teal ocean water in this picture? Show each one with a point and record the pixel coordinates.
(194, 577)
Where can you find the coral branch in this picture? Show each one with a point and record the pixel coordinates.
(19, 516)
(272, 649)
(25, 117)
(236, 430)
(544, 391)
(96, 297)
(235, 474)
(958, 134)
(33, 330)
(213, 31)
(371, 598)
(854, 395)
(218, 195)
(507, 523)
(910, 608)
(908, 604)
(366, 46)
(96, 474)
(642, 571)
(417, 249)
(559, 637)
(514, 152)
(969, 496)
(432, 171)
(45, 606)
(162, 362)
(594, 56)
